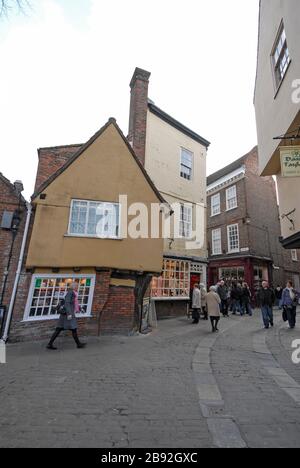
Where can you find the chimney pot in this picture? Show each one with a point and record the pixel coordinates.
(18, 184)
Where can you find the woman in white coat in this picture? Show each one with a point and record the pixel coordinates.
(213, 302)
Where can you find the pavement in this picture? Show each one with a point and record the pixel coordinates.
(178, 387)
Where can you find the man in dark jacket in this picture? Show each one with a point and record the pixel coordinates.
(266, 299)
(222, 290)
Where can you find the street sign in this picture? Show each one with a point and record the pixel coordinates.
(290, 161)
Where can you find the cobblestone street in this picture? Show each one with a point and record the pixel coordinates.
(179, 387)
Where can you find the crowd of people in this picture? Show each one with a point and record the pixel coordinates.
(237, 298)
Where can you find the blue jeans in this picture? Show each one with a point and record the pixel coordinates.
(267, 313)
(236, 306)
(247, 309)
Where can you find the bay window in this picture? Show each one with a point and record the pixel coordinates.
(174, 281)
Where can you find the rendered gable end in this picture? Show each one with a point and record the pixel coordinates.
(104, 170)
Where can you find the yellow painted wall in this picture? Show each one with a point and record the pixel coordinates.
(104, 171)
(163, 157)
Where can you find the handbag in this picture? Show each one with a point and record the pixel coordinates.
(284, 315)
(60, 308)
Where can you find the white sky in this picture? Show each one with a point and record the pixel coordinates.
(66, 67)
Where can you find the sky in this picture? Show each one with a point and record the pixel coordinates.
(66, 65)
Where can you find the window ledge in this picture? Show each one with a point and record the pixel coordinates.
(231, 209)
(52, 317)
(84, 236)
(214, 215)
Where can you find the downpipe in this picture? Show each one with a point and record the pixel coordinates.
(18, 274)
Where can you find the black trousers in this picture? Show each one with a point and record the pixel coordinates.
(196, 315)
(224, 307)
(58, 332)
(214, 322)
(291, 315)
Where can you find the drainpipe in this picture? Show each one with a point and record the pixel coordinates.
(18, 273)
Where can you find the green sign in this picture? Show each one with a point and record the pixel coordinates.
(290, 161)
(38, 283)
(88, 282)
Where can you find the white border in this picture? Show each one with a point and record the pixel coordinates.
(228, 238)
(27, 318)
(69, 234)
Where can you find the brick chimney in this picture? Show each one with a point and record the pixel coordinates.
(52, 159)
(138, 112)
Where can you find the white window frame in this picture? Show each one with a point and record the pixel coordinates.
(280, 57)
(94, 236)
(229, 208)
(237, 249)
(88, 314)
(294, 254)
(185, 223)
(213, 205)
(214, 240)
(189, 179)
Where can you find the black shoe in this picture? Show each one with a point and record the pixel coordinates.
(81, 345)
(50, 346)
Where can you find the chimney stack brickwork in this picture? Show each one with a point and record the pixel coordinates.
(52, 159)
(138, 112)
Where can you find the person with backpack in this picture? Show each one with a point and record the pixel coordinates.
(289, 302)
(67, 319)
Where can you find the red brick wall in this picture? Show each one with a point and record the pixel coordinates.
(9, 201)
(138, 112)
(52, 159)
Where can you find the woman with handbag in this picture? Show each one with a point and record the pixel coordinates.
(67, 319)
(289, 302)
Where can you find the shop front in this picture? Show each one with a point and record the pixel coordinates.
(250, 270)
(171, 291)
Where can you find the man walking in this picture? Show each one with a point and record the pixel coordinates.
(266, 299)
(222, 290)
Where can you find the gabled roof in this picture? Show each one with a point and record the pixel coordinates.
(11, 186)
(226, 170)
(174, 123)
(230, 168)
(81, 150)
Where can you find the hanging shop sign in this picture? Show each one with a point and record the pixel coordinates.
(290, 161)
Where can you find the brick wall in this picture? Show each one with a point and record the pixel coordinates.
(112, 312)
(257, 200)
(52, 159)
(10, 201)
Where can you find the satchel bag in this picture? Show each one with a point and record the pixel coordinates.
(284, 315)
(60, 308)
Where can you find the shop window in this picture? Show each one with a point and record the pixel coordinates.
(174, 281)
(46, 292)
(233, 274)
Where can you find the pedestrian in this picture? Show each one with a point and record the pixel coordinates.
(222, 290)
(289, 302)
(266, 299)
(203, 302)
(235, 295)
(246, 300)
(196, 305)
(67, 319)
(213, 302)
(278, 295)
